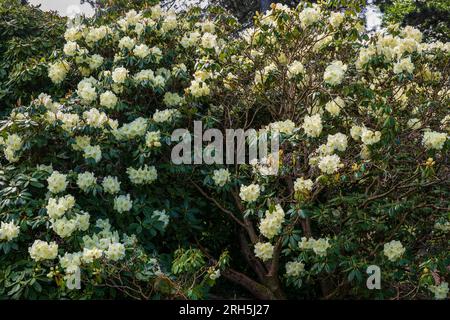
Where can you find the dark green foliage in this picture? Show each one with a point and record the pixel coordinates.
(431, 17)
(28, 36)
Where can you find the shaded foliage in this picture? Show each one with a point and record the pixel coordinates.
(431, 17)
(28, 36)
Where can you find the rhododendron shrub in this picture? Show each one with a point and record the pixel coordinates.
(363, 173)
(90, 191)
(87, 184)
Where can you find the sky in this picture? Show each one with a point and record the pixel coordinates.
(71, 7)
(64, 7)
(373, 16)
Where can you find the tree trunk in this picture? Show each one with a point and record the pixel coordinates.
(267, 278)
(258, 290)
(273, 283)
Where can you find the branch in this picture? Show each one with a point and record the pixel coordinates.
(228, 212)
(248, 224)
(255, 263)
(258, 290)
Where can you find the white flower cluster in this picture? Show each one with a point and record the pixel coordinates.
(393, 250)
(119, 75)
(308, 16)
(96, 34)
(214, 274)
(141, 51)
(65, 227)
(250, 193)
(108, 99)
(313, 125)
(319, 246)
(442, 226)
(156, 53)
(337, 141)
(136, 128)
(9, 231)
(199, 88)
(86, 90)
(93, 152)
(57, 207)
(115, 251)
(69, 120)
(262, 75)
(46, 101)
(157, 81)
(434, 140)
(127, 43)
(295, 68)
(267, 166)
(336, 19)
(71, 48)
(73, 33)
(286, 126)
(41, 250)
(394, 48)
(89, 255)
(111, 185)
(144, 175)
(162, 216)
(303, 186)
(70, 262)
(86, 180)
(440, 291)
(334, 73)
(365, 54)
(152, 139)
(12, 145)
(369, 137)
(172, 99)
(57, 71)
(264, 250)
(208, 40)
(334, 106)
(170, 21)
(144, 75)
(103, 244)
(404, 65)
(270, 225)
(123, 203)
(221, 177)
(355, 132)
(57, 182)
(166, 115)
(190, 39)
(330, 164)
(94, 61)
(294, 268)
(94, 118)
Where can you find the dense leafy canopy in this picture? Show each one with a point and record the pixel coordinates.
(28, 37)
